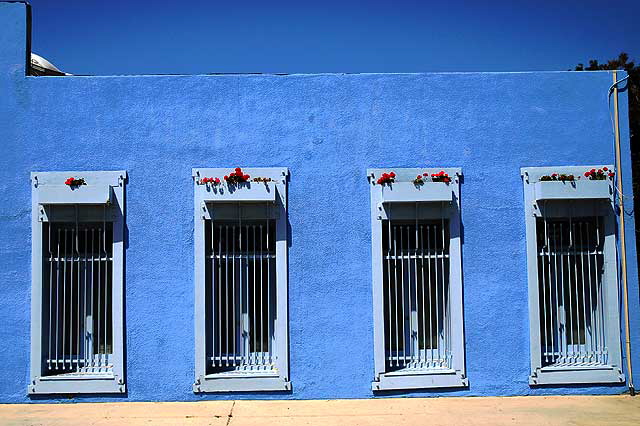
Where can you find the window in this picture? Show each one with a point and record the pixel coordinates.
(241, 282)
(77, 276)
(573, 293)
(417, 282)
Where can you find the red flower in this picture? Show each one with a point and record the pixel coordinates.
(554, 174)
(605, 169)
(246, 177)
(238, 169)
(69, 181)
(425, 174)
(593, 170)
(226, 177)
(386, 178)
(217, 180)
(610, 174)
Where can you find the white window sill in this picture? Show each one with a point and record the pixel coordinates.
(241, 383)
(576, 375)
(77, 384)
(424, 380)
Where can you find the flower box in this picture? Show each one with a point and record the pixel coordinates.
(582, 189)
(410, 192)
(247, 191)
(100, 193)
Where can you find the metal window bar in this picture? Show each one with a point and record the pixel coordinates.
(240, 282)
(77, 290)
(416, 293)
(570, 274)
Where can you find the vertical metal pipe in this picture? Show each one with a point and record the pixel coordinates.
(71, 345)
(268, 291)
(395, 292)
(50, 331)
(232, 327)
(577, 296)
(570, 321)
(430, 353)
(623, 237)
(603, 339)
(93, 328)
(416, 333)
(226, 285)
(99, 293)
(58, 300)
(84, 298)
(424, 307)
(556, 327)
(77, 282)
(254, 328)
(400, 290)
(406, 296)
(445, 318)
(106, 284)
(215, 266)
(389, 304)
(233, 265)
(64, 303)
(599, 313)
(545, 248)
(437, 285)
(583, 248)
(593, 321)
(262, 354)
(564, 343)
(583, 294)
(589, 306)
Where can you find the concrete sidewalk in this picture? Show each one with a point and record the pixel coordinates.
(541, 410)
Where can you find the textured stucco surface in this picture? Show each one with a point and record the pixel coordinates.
(327, 129)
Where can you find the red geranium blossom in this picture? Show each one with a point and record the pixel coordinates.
(440, 177)
(600, 174)
(388, 178)
(238, 176)
(72, 181)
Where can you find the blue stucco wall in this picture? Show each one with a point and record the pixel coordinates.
(327, 129)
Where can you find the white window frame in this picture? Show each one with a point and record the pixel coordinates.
(583, 197)
(435, 200)
(205, 198)
(102, 188)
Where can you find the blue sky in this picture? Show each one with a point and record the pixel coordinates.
(199, 37)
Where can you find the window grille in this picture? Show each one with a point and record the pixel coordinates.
(417, 282)
(78, 331)
(77, 281)
(241, 281)
(570, 272)
(573, 291)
